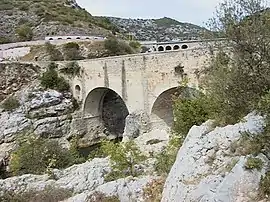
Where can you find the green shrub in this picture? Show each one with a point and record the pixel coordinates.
(72, 51)
(116, 47)
(72, 68)
(134, 44)
(10, 104)
(265, 185)
(123, 158)
(166, 159)
(25, 32)
(55, 54)
(50, 79)
(189, 111)
(254, 163)
(49, 194)
(39, 156)
(4, 40)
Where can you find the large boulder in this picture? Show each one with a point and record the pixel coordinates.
(204, 170)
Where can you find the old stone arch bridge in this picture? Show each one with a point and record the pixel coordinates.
(140, 81)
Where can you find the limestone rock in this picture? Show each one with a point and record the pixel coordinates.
(201, 170)
(126, 189)
(82, 177)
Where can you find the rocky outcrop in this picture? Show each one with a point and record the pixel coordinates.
(205, 169)
(79, 178)
(126, 190)
(15, 76)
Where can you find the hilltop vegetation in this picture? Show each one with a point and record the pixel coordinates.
(32, 19)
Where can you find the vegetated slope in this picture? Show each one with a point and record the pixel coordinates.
(23, 20)
(163, 29)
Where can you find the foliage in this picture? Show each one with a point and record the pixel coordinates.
(116, 47)
(72, 51)
(254, 163)
(100, 197)
(4, 40)
(38, 156)
(152, 192)
(134, 44)
(74, 150)
(72, 68)
(123, 158)
(166, 158)
(49, 194)
(10, 104)
(265, 185)
(25, 32)
(236, 81)
(50, 79)
(189, 111)
(55, 54)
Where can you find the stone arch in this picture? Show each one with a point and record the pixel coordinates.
(168, 48)
(176, 47)
(160, 48)
(162, 108)
(109, 107)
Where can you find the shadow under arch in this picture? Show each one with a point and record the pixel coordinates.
(109, 107)
(162, 109)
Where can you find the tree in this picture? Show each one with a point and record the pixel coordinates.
(237, 78)
(25, 32)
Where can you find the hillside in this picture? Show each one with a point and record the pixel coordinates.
(163, 29)
(23, 20)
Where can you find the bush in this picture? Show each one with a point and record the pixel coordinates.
(10, 104)
(55, 54)
(25, 32)
(49, 194)
(135, 44)
(152, 192)
(189, 111)
(50, 79)
(116, 47)
(265, 185)
(123, 158)
(72, 68)
(72, 51)
(254, 163)
(4, 40)
(39, 156)
(166, 158)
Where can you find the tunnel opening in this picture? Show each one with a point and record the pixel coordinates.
(109, 107)
(162, 109)
(160, 48)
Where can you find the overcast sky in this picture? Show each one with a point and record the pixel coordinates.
(193, 11)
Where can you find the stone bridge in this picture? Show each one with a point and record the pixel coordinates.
(136, 86)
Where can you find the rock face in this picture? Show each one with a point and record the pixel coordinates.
(204, 170)
(79, 178)
(126, 190)
(15, 76)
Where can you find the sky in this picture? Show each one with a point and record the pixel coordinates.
(193, 11)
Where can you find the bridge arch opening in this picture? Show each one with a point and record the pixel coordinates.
(109, 107)
(168, 48)
(176, 47)
(162, 108)
(185, 46)
(160, 48)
